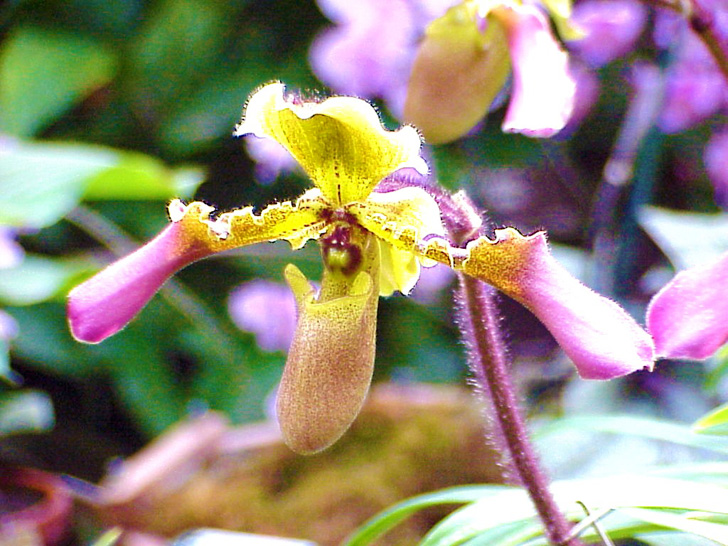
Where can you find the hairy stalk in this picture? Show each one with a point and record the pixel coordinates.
(478, 322)
(488, 362)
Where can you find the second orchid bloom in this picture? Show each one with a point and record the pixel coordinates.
(465, 58)
(372, 242)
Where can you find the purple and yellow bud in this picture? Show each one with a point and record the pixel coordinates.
(464, 61)
(458, 72)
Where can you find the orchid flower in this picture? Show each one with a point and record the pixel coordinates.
(464, 61)
(688, 317)
(372, 243)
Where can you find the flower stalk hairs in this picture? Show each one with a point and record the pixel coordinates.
(373, 242)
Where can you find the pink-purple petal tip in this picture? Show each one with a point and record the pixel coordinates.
(602, 339)
(108, 301)
(688, 318)
(544, 89)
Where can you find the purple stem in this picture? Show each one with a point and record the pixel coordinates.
(478, 321)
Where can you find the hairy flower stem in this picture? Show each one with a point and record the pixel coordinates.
(478, 322)
(488, 362)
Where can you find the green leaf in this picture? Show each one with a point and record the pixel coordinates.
(41, 182)
(715, 422)
(688, 239)
(37, 279)
(25, 411)
(45, 342)
(655, 429)
(614, 492)
(141, 177)
(631, 505)
(43, 73)
(712, 531)
(386, 520)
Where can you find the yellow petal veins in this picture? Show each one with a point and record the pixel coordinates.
(339, 142)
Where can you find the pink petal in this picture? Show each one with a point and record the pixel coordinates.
(599, 337)
(543, 88)
(105, 303)
(688, 318)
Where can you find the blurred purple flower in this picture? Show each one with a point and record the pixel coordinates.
(369, 53)
(695, 88)
(688, 318)
(587, 94)
(431, 283)
(271, 159)
(8, 326)
(11, 253)
(266, 309)
(716, 163)
(611, 29)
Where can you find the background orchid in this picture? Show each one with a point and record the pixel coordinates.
(445, 77)
(688, 318)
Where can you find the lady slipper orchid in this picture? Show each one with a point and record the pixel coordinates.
(372, 243)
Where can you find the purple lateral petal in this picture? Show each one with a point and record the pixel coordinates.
(688, 318)
(600, 337)
(105, 303)
(543, 88)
